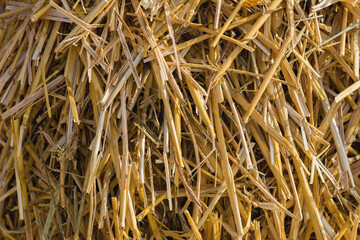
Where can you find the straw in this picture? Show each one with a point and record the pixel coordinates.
(186, 119)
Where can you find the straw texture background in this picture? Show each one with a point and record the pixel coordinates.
(182, 119)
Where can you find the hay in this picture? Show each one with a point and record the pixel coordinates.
(179, 119)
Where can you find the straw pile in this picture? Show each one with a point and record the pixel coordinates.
(180, 119)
